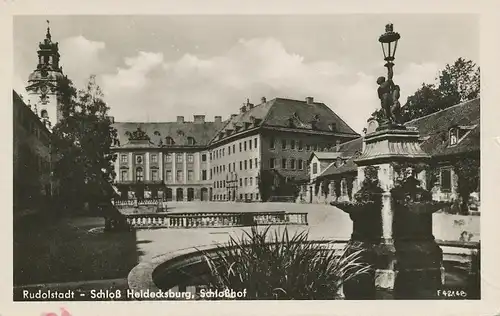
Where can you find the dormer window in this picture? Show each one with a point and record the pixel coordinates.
(453, 136)
(169, 141)
(332, 127)
(191, 141)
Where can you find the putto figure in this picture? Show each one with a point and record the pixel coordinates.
(388, 94)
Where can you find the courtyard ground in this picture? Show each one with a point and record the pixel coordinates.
(75, 253)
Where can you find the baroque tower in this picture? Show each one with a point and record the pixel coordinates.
(43, 81)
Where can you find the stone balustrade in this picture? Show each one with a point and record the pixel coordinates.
(215, 219)
(137, 202)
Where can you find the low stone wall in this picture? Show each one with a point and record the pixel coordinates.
(456, 227)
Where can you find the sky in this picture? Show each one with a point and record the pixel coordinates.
(154, 68)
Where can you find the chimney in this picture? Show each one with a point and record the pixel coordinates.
(337, 145)
(218, 119)
(180, 119)
(243, 109)
(199, 119)
(249, 105)
(309, 100)
(263, 100)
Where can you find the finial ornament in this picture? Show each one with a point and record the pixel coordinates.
(49, 37)
(389, 27)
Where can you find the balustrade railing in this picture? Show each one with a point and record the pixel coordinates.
(138, 202)
(216, 219)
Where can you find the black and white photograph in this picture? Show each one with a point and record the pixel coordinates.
(246, 157)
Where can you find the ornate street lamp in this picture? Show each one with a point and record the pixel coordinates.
(388, 91)
(389, 41)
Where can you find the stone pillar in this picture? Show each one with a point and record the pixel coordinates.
(146, 167)
(160, 165)
(174, 168)
(184, 167)
(131, 171)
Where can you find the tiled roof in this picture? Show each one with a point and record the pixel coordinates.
(322, 155)
(279, 111)
(179, 132)
(283, 109)
(434, 128)
(434, 132)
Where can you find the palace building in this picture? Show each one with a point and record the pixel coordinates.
(222, 160)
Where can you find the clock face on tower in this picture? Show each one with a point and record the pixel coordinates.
(44, 89)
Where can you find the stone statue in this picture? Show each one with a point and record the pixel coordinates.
(388, 94)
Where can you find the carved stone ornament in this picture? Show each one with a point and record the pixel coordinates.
(138, 134)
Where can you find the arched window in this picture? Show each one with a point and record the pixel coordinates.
(139, 175)
(191, 141)
(169, 141)
(453, 136)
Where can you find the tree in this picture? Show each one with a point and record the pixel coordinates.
(468, 172)
(456, 83)
(82, 144)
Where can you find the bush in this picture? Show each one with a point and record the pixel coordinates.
(282, 267)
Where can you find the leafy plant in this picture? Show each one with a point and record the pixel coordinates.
(468, 172)
(407, 188)
(270, 266)
(370, 191)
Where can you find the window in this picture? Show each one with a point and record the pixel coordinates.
(250, 160)
(223, 152)
(272, 163)
(124, 175)
(241, 165)
(203, 175)
(453, 136)
(229, 167)
(283, 163)
(246, 165)
(292, 164)
(283, 144)
(223, 183)
(179, 175)
(256, 196)
(190, 175)
(228, 150)
(250, 144)
(210, 156)
(139, 176)
(300, 164)
(315, 168)
(169, 141)
(154, 158)
(124, 158)
(246, 181)
(190, 157)
(308, 147)
(178, 157)
(240, 147)
(169, 176)
(138, 159)
(292, 144)
(245, 145)
(241, 182)
(210, 174)
(234, 166)
(250, 180)
(255, 143)
(445, 180)
(272, 143)
(224, 168)
(154, 175)
(204, 157)
(234, 148)
(300, 145)
(256, 164)
(191, 141)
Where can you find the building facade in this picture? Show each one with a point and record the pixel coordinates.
(222, 160)
(33, 184)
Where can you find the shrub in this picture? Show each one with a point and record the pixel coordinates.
(270, 266)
